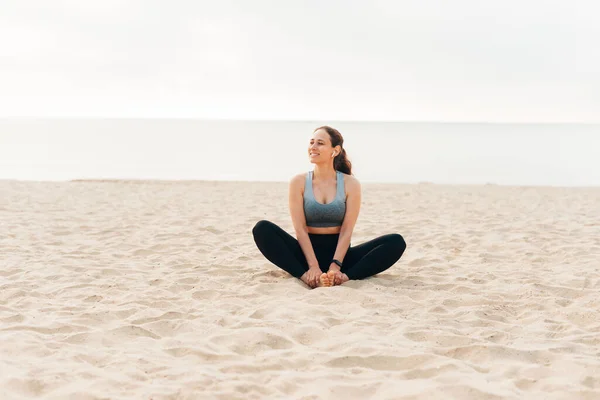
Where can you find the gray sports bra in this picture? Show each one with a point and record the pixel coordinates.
(324, 215)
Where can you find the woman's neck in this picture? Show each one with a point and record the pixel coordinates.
(324, 172)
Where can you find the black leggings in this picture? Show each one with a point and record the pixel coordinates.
(360, 262)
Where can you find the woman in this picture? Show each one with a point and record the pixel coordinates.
(324, 205)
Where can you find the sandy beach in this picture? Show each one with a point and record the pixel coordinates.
(156, 290)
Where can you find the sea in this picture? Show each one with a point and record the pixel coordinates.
(381, 152)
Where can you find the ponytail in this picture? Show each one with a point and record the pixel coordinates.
(342, 164)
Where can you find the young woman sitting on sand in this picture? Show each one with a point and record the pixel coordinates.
(324, 206)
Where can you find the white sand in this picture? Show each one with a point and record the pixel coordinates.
(156, 290)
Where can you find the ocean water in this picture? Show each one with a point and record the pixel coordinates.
(401, 152)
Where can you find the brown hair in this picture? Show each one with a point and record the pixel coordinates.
(340, 162)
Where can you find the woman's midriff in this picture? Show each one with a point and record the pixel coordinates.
(324, 231)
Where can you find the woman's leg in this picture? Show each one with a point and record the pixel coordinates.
(280, 248)
(374, 256)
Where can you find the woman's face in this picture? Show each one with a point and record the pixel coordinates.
(320, 149)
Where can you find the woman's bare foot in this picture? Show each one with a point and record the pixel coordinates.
(325, 281)
(337, 277)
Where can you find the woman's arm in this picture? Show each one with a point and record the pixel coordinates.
(353, 199)
(296, 200)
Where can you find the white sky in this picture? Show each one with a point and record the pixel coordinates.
(435, 60)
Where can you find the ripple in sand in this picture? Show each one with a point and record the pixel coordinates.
(166, 316)
(382, 363)
(205, 294)
(17, 318)
(133, 332)
(428, 373)
(252, 341)
(27, 387)
(441, 340)
(495, 353)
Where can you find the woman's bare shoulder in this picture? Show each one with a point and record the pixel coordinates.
(351, 183)
(298, 178)
(350, 179)
(297, 181)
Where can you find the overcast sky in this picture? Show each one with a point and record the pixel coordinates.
(459, 60)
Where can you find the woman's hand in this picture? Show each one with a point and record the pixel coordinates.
(311, 277)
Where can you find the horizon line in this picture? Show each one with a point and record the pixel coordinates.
(390, 183)
(296, 120)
